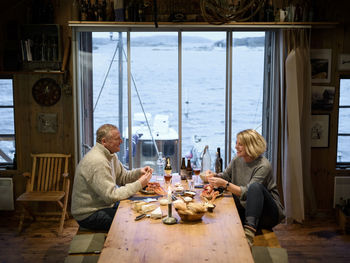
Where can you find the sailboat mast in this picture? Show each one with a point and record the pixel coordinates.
(120, 82)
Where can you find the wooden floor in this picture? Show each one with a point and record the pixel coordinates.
(317, 240)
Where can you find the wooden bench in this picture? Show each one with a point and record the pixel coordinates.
(266, 238)
(82, 231)
(80, 249)
(267, 249)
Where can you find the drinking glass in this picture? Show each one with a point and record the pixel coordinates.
(167, 179)
(190, 181)
(197, 170)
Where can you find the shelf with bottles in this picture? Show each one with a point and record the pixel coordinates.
(41, 47)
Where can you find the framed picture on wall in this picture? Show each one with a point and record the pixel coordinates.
(321, 65)
(320, 130)
(344, 62)
(322, 97)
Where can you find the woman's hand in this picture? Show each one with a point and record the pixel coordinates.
(208, 174)
(217, 182)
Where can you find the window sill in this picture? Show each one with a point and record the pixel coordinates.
(7, 173)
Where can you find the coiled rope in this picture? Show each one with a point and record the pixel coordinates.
(219, 12)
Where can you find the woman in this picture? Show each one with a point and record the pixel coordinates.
(249, 178)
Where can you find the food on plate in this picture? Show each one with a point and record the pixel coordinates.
(178, 189)
(155, 187)
(137, 205)
(148, 208)
(163, 201)
(210, 206)
(187, 199)
(157, 213)
(189, 193)
(209, 192)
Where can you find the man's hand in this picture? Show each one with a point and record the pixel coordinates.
(146, 170)
(144, 179)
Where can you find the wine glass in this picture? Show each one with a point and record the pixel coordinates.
(168, 179)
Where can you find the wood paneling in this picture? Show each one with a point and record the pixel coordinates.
(323, 160)
(30, 139)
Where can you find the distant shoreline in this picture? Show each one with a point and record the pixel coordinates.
(171, 41)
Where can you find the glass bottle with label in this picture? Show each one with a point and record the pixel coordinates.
(218, 162)
(183, 171)
(160, 167)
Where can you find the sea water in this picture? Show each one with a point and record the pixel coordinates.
(155, 73)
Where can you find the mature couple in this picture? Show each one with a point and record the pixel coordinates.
(101, 181)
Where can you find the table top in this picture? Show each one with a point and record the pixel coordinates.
(218, 237)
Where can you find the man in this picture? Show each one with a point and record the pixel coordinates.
(96, 181)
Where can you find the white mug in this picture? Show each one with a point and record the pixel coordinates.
(283, 15)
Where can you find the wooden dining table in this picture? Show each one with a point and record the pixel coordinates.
(217, 237)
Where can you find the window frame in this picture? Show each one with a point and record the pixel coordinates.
(229, 31)
(11, 164)
(341, 165)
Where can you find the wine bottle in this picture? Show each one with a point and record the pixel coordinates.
(189, 169)
(206, 159)
(83, 11)
(218, 162)
(167, 168)
(183, 171)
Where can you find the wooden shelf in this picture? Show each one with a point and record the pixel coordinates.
(199, 25)
(30, 72)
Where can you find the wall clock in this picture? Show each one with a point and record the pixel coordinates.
(46, 92)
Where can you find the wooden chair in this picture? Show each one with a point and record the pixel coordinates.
(48, 182)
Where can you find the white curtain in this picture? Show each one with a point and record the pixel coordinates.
(294, 82)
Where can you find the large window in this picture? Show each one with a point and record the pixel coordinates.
(343, 150)
(203, 93)
(172, 89)
(7, 127)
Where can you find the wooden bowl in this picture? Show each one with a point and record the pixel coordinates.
(190, 218)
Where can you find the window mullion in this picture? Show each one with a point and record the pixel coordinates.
(179, 97)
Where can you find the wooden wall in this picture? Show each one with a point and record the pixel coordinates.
(323, 160)
(30, 140)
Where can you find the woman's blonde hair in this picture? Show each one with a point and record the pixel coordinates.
(253, 142)
(103, 131)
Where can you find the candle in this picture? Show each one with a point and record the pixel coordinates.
(169, 196)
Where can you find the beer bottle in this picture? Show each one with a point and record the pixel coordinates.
(183, 171)
(167, 168)
(189, 169)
